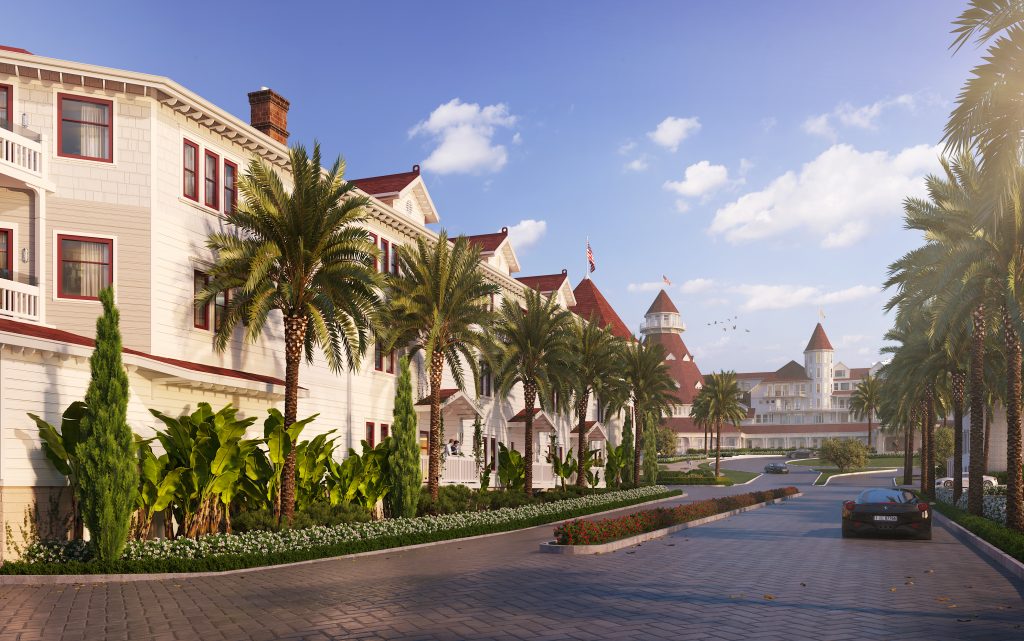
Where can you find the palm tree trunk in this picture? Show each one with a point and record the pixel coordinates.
(718, 444)
(958, 434)
(974, 486)
(636, 446)
(294, 341)
(869, 428)
(706, 430)
(908, 451)
(924, 448)
(930, 414)
(990, 409)
(434, 464)
(529, 399)
(581, 450)
(1014, 488)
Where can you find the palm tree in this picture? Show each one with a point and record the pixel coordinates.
(533, 348)
(440, 305)
(597, 356)
(303, 253)
(723, 403)
(699, 415)
(864, 401)
(648, 386)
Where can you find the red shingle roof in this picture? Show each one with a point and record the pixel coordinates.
(546, 283)
(662, 305)
(818, 339)
(389, 184)
(591, 305)
(489, 242)
(49, 333)
(15, 49)
(520, 416)
(681, 367)
(445, 395)
(791, 371)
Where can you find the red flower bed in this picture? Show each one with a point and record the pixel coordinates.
(580, 532)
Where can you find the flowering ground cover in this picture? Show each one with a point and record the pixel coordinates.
(218, 552)
(579, 532)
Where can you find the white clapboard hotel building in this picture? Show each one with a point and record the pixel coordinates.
(110, 177)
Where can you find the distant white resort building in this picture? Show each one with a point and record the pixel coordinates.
(797, 405)
(111, 177)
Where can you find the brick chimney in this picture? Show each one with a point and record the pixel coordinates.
(269, 113)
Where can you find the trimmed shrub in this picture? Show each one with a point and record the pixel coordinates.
(579, 532)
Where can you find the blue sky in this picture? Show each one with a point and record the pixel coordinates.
(754, 153)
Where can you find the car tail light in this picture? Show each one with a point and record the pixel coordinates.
(849, 505)
(922, 507)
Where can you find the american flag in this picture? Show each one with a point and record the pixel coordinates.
(665, 280)
(590, 258)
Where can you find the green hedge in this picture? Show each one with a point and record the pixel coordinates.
(694, 477)
(999, 535)
(239, 561)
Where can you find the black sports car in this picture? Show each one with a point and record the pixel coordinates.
(776, 468)
(887, 511)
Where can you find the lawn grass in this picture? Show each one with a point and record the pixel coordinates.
(736, 476)
(884, 461)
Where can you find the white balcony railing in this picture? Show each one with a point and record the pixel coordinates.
(22, 152)
(457, 470)
(18, 300)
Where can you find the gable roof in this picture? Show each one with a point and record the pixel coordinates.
(546, 283)
(489, 243)
(681, 367)
(791, 371)
(662, 305)
(818, 340)
(591, 305)
(15, 49)
(388, 184)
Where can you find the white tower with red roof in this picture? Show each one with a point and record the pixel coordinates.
(818, 363)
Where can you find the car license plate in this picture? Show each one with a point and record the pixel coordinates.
(887, 518)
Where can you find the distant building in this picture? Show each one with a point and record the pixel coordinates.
(793, 406)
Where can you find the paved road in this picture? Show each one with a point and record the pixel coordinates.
(777, 573)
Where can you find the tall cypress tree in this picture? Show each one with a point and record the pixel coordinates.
(405, 456)
(627, 442)
(109, 476)
(650, 444)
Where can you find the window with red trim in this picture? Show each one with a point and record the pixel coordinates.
(424, 440)
(394, 259)
(190, 170)
(7, 250)
(370, 434)
(200, 313)
(378, 357)
(211, 178)
(6, 106)
(85, 128)
(385, 252)
(230, 186)
(84, 266)
(384, 431)
(376, 265)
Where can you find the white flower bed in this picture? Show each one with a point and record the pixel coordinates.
(263, 542)
(993, 506)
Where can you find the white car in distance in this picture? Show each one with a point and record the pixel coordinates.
(947, 481)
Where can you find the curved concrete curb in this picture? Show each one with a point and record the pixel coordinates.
(865, 472)
(59, 579)
(981, 546)
(603, 548)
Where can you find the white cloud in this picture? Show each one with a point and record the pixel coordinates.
(848, 115)
(464, 133)
(637, 164)
(761, 297)
(671, 131)
(745, 166)
(627, 147)
(699, 179)
(819, 126)
(682, 206)
(526, 232)
(517, 138)
(696, 285)
(834, 197)
(715, 302)
(849, 340)
(652, 286)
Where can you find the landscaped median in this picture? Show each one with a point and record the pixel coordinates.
(220, 552)
(607, 535)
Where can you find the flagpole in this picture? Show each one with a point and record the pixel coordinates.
(586, 270)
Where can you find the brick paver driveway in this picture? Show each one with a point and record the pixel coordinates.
(778, 573)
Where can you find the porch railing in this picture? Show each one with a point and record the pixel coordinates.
(21, 152)
(18, 300)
